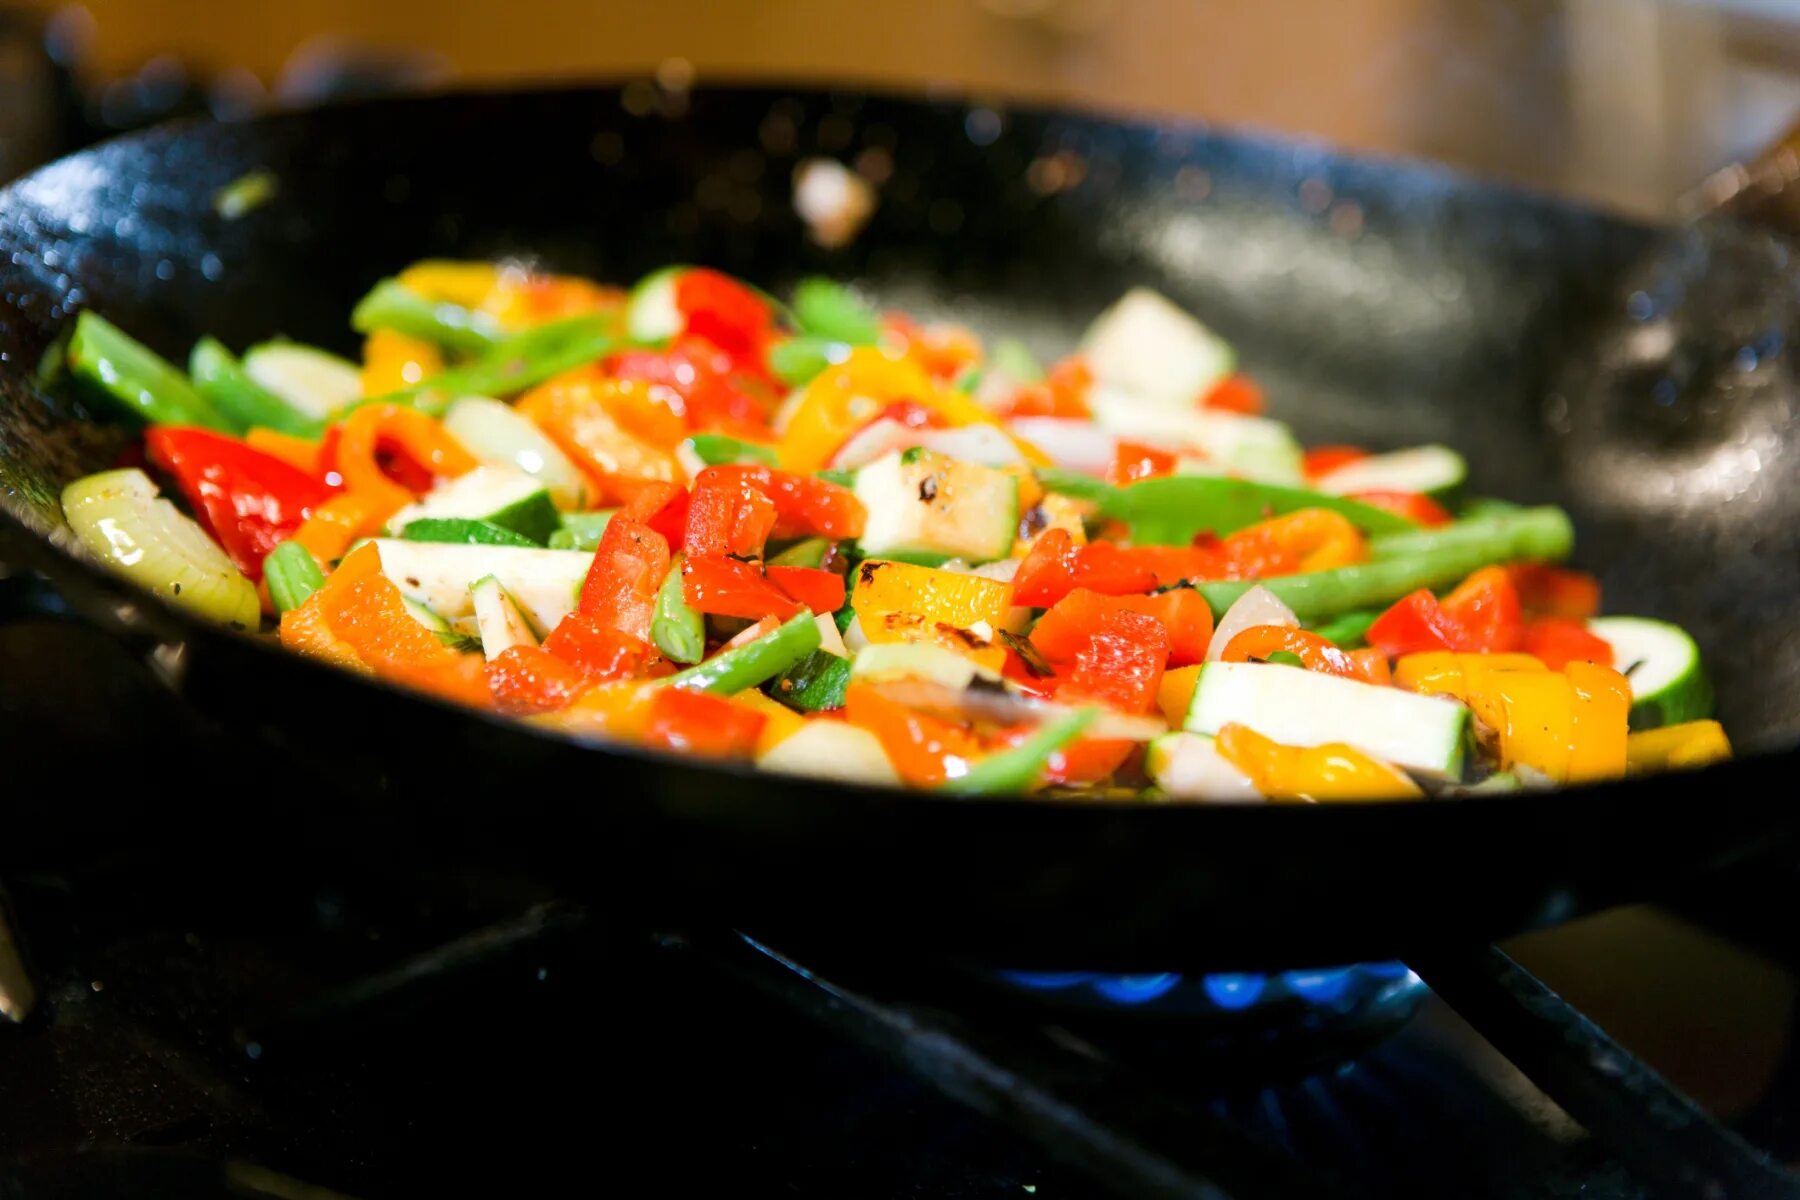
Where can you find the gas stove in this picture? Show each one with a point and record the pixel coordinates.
(261, 1020)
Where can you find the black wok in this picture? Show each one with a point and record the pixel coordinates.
(1636, 375)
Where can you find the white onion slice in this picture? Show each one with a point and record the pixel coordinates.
(1077, 445)
(1258, 606)
(875, 440)
(984, 444)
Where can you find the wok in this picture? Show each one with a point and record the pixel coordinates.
(1637, 375)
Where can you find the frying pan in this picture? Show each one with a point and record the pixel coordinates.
(1637, 375)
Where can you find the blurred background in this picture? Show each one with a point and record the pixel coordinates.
(1626, 103)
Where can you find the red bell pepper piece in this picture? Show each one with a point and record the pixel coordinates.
(629, 566)
(1062, 394)
(724, 312)
(728, 513)
(1413, 624)
(663, 507)
(1120, 662)
(1414, 506)
(1482, 616)
(822, 591)
(249, 501)
(1183, 614)
(702, 724)
(1559, 641)
(1236, 393)
(1322, 460)
(1485, 607)
(805, 505)
(1055, 566)
(599, 651)
(529, 679)
(1132, 462)
(1550, 591)
(706, 385)
(727, 587)
(1050, 569)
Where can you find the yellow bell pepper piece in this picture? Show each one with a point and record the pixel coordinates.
(901, 602)
(964, 601)
(1330, 772)
(448, 280)
(392, 361)
(980, 648)
(1176, 693)
(1447, 673)
(846, 396)
(1598, 737)
(519, 299)
(619, 711)
(1683, 747)
(842, 399)
(782, 723)
(1570, 725)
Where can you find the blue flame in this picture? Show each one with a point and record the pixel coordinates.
(1229, 992)
(1232, 992)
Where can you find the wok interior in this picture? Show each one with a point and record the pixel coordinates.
(1636, 376)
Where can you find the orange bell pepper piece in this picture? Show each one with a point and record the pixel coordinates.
(1318, 654)
(1312, 539)
(924, 749)
(366, 616)
(297, 452)
(367, 429)
(338, 522)
(586, 414)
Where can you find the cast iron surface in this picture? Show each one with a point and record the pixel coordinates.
(1637, 376)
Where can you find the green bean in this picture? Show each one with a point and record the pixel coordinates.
(753, 662)
(1169, 511)
(222, 381)
(798, 359)
(137, 378)
(1348, 630)
(1076, 483)
(678, 631)
(830, 310)
(1543, 533)
(390, 304)
(714, 449)
(1400, 563)
(1012, 771)
(522, 360)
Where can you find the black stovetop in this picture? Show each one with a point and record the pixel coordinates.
(219, 1023)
